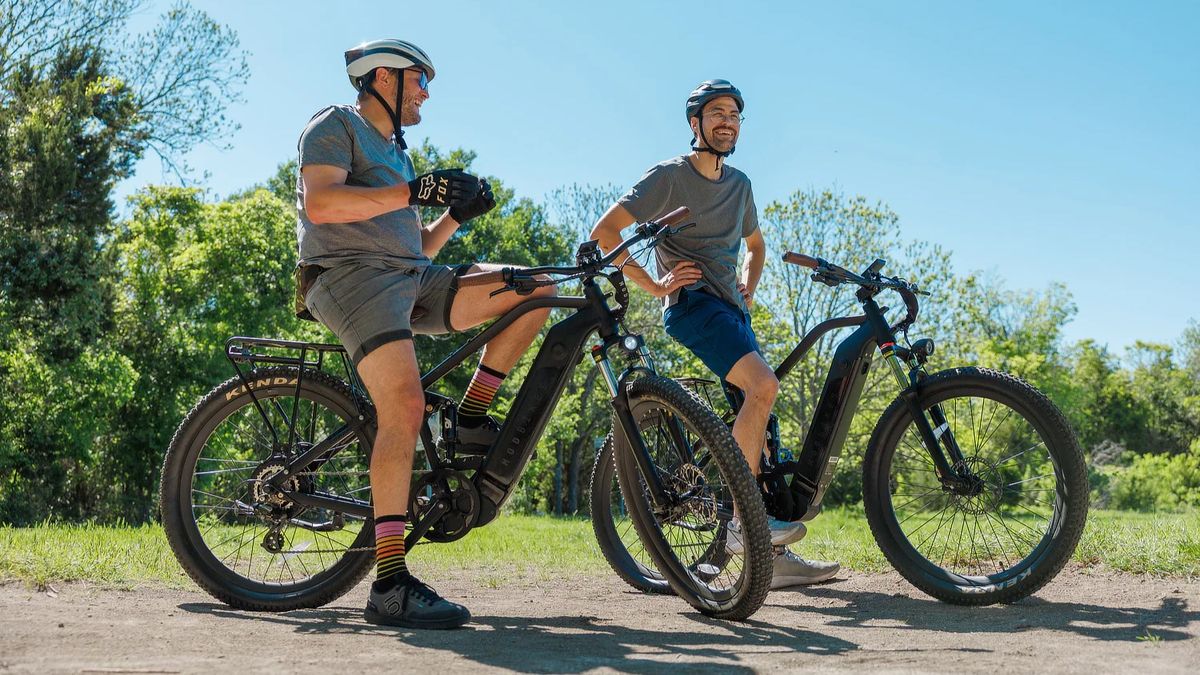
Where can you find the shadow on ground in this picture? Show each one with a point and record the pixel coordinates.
(568, 644)
(573, 644)
(864, 609)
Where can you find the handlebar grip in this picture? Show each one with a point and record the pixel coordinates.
(801, 259)
(481, 278)
(674, 216)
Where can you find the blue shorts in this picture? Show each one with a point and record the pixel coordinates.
(718, 333)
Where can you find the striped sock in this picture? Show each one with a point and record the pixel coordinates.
(389, 546)
(480, 393)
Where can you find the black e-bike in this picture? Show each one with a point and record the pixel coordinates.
(974, 484)
(266, 496)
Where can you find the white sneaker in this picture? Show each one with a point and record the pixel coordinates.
(782, 534)
(792, 570)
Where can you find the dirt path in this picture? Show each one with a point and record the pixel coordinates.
(1085, 623)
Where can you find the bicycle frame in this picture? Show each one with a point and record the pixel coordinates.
(496, 478)
(840, 395)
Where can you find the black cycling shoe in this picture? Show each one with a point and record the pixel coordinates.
(478, 439)
(411, 604)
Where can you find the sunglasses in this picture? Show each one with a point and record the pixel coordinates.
(423, 80)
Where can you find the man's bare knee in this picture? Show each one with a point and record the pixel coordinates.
(763, 390)
(402, 407)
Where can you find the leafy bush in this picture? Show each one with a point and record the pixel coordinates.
(1157, 482)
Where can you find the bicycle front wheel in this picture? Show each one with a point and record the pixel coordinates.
(708, 481)
(242, 541)
(1009, 532)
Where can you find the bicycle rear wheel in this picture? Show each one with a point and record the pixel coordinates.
(615, 532)
(247, 545)
(1015, 527)
(700, 465)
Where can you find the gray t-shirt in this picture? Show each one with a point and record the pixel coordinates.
(724, 213)
(339, 136)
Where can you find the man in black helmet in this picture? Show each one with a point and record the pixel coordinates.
(706, 298)
(365, 273)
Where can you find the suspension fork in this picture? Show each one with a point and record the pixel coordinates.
(936, 435)
(908, 376)
(626, 427)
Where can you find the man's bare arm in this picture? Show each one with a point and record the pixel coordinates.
(608, 232)
(752, 266)
(327, 198)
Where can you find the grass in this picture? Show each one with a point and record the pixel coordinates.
(543, 548)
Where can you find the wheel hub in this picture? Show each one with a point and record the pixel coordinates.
(695, 499)
(973, 495)
(276, 497)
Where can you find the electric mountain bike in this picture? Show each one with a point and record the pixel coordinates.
(974, 484)
(266, 497)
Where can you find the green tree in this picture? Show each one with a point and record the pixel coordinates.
(1102, 406)
(65, 144)
(181, 75)
(192, 274)
(79, 103)
(1168, 400)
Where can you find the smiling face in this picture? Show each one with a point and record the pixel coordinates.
(385, 83)
(413, 97)
(721, 123)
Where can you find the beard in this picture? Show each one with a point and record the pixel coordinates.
(410, 111)
(719, 143)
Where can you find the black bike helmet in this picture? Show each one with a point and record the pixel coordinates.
(701, 95)
(361, 62)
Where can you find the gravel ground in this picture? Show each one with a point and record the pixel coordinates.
(1082, 622)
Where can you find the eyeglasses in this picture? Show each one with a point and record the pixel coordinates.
(422, 80)
(731, 118)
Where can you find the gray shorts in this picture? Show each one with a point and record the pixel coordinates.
(368, 304)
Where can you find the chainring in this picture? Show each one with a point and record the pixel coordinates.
(460, 495)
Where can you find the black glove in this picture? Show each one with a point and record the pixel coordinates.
(444, 187)
(485, 201)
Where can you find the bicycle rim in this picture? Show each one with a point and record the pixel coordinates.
(256, 538)
(993, 535)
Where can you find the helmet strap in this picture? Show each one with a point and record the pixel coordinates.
(394, 113)
(708, 146)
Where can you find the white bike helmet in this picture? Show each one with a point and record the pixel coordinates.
(390, 53)
(361, 62)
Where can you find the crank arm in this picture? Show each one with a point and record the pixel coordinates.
(435, 513)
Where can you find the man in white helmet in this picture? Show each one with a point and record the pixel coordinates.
(706, 299)
(365, 272)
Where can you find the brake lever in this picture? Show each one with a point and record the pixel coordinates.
(820, 276)
(510, 282)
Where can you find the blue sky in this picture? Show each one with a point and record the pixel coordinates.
(1041, 141)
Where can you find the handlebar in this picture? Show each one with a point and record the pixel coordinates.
(871, 281)
(653, 229)
(801, 260)
(673, 217)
